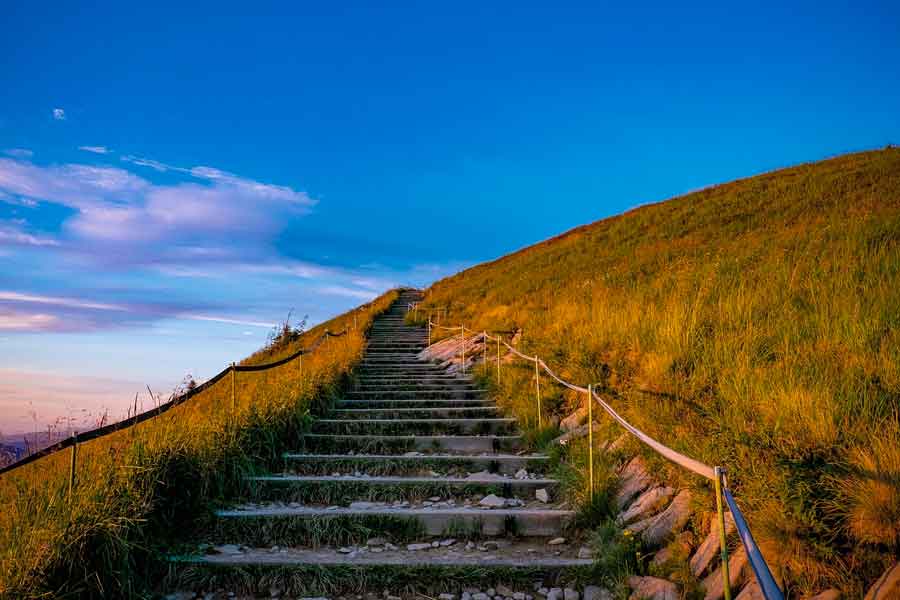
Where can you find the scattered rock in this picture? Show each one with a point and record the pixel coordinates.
(519, 596)
(751, 591)
(490, 545)
(275, 592)
(491, 592)
(180, 596)
(480, 596)
(504, 591)
(737, 563)
(556, 542)
(522, 474)
(831, 594)
(376, 541)
(646, 504)
(594, 592)
(555, 594)
(680, 547)
(574, 420)
(435, 499)
(652, 588)
(570, 594)
(446, 597)
(345, 550)
(887, 586)
(448, 542)
(585, 552)
(670, 521)
(542, 495)
(229, 549)
(417, 547)
(466, 596)
(709, 549)
(634, 479)
(492, 501)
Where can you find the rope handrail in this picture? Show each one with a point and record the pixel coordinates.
(767, 583)
(153, 412)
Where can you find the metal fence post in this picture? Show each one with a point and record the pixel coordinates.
(484, 353)
(233, 397)
(590, 423)
(72, 465)
(537, 389)
(462, 339)
(429, 328)
(720, 509)
(498, 357)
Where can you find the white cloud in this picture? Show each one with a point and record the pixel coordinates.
(57, 301)
(13, 235)
(59, 114)
(95, 149)
(347, 292)
(24, 321)
(226, 215)
(229, 320)
(18, 152)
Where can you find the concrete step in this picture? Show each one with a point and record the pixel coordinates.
(410, 463)
(424, 403)
(449, 522)
(398, 444)
(482, 426)
(466, 412)
(344, 489)
(414, 394)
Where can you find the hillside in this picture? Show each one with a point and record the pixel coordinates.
(754, 325)
(135, 490)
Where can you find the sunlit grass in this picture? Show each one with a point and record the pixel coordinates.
(754, 325)
(140, 488)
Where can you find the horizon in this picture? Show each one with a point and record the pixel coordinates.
(170, 190)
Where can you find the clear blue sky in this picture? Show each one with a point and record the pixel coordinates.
(175, 178)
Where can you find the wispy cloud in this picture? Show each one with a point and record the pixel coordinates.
(229, 320)
(347, 292)
(15, 320)
(18, 152)
(10, 296)
(95, 149)
(12, 234)
(226, 215)
(59, 114)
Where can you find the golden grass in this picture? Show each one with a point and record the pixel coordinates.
(139, 487)
(753, 325)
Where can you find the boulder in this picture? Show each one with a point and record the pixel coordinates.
(751, 591)
(492, 501)
(634, 479)
(679, 547)
(710, 547)
(577, 433)
(737, 565)
(595, 592)
(669, 522)
(574, 420)
(646, 504)
(652, 588)
(887, 586)
(542, 495)
(831, 594)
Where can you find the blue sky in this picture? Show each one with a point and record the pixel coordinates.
(175, 178)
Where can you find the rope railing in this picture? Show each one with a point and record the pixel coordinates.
(80, 438)
(764, 578)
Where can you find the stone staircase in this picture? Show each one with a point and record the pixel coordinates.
(412, 483)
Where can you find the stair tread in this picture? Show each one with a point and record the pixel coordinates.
(400, 480)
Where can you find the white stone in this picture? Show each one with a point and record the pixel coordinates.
(594, 592)
(570, 594)
(584, 553)
(345, 550)
(493, 501)
(555, 594)
(417, 547)
(542, 495)
(556, 542)
(522, 474)
(653, 588)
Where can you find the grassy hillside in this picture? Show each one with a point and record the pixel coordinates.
(754, 325)
(138, 487)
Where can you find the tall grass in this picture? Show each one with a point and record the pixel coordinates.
(755, 325)
(139, 490)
